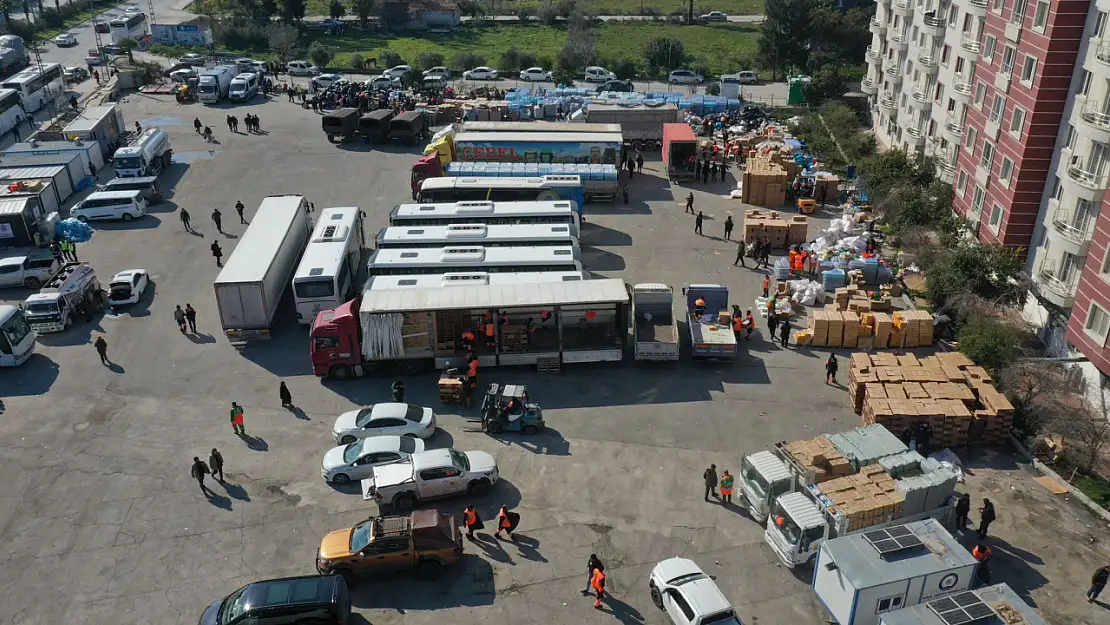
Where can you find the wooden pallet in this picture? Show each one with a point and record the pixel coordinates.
(548, 365)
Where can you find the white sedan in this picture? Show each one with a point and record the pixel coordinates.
(326, 80)
(480, 73)
(440, 71)
(684, 77)
(384, 81)
(386, 419)
(65, 39)
(535, 74)
(127, 287)
(356, 461)
(399, 71)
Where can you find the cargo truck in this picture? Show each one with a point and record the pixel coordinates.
(149, 155)
(679, 149)
(711, 335)
(17, 339)
(251, 284)
(55, 306)
(654, 329)
(214, 84)
(641, 125)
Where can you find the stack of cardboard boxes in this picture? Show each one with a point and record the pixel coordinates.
(765, 180)
(947, 391)
(867, 498)
(819, 458)
(414, 331)
(779, 231)
(832, 327)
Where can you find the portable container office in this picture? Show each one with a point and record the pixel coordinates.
(18, 221)
(41, 190)
(61, 183)
(860, 577)
(989, 605)
(71, 161)
(91, 154)
(102, 124)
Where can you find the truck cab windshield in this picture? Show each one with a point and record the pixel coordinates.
(42, 308)
(126, 162)
(208, 88)
(754, 479)
(360, 535)
(787, 526)
(15, 329)
(460, 460)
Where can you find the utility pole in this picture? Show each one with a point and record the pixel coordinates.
(690, 15)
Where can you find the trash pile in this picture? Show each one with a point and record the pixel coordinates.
(73, 230)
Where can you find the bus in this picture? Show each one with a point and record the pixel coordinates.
(492, 213)
(11, 110)
(130, 26)
(381, 283)
(329, 268)
(464, 259)
(536, 188)
(17, 339)
(540, 126)
(489, 235)
(37, 85)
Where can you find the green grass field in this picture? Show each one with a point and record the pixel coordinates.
(604, 7)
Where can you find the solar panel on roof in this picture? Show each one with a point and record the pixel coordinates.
(897, 532)
(960, 609)
(893, 540)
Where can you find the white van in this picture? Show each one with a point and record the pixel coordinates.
(125, 205)
(598, 74)
(243, 87)
(301, 68)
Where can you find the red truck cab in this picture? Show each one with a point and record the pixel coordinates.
(427, 166)
(336, 345)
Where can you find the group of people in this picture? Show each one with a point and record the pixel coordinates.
(63, 250)
(185, 317)
(726, 483)
(215, 468)
(250, 120)
(759, 250)
(361, 95)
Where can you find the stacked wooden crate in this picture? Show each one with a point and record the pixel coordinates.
(414, 331)
(832, 327)
(867, 498)
(819, 458)
(449, 328)
(764, 181)
(760, 224)
(947, 392)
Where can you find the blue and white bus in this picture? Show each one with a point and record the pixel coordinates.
(468, 259)
(537, 188)
(445, 214)
(331, 262)
(129, 26)
(37, 85)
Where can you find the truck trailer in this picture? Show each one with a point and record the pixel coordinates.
(416, 329)
(709, 322)
(654, 329)
(680, 146)
(250, 286)
(641, 125)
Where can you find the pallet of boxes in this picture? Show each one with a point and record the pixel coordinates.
(770, 225)
(764, 181)
(852, 329)
(948, 392)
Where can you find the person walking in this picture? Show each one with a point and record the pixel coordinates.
(208, 134)
(784, 332)
(507, 521)
(197, 126)
(705, 172)
(986, 517)
(237, 421)
(216, 462)
(185, 218)
(831, 365)
(239, 209)
(285, 395)
(472, 520)
(198, 471)
(766, 253)
(697, 170)
(598, 582)
(772, 325)
(191, 317)
(640, 162)
(230, 126)
(179, 317)
(1098, 583)
(963, 507)
(96, 76)
(217, 252)
(728, 228)
(102, 349)
(56, 252)
(741, 249)
(234, 124)
(593, 564)
(697, 222)
(690, 203)
(726, 488)
(982, 553)
(217, 217)
(766, 283)
(749, 325)
(710, 478)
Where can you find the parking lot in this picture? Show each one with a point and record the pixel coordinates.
(101, 522)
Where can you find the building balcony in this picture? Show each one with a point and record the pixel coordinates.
(962, 90)
(928, 60)
(1070, 232)
(899, 41)
(954, 127)
(876, 26)
(887, 101)
(1078, 180)
(894, 72)
(1102, 52)
(1095, 119)
(934, 25)
(902, 7)
(916, 136)
(921, 98)
(869, 86)
(978, 8)
(1056, 288)
(970, 43)
(1085, 178)
(872, 55)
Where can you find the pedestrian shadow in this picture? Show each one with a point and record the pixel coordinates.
(255, 443)
(116, 368)
(228, 235)
(492, 547)
(620, 610)
(200, 338)
(196, 233)
(235, 491)
(259, 132)
(217, 500)
(527, 547)
(299, 413)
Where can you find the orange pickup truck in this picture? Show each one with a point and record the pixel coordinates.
(425, 541)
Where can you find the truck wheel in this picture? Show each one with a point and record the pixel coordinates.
(530, 430)
(429, 569)
(83, 219)
(127, 217)
(478, 488)
(657, 597)
(404, 502)
(348, 576)
(340, 372)
(341, 479)
(167, 160)
(410, 367)
(32, 283)
(331, 139)
(347, 440)
(637, 145)
(493, 427)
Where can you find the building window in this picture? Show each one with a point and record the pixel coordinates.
(980, 93)
(977, 201)
(1029, 70)
(1098, 323)
(1057, 191)
(1017, 121)
(953, 14)
(887, 604)
(988, 48)
(969, 139)
(1085, 84)
(1040, 17)
(1005, 171)
(996, 6)
(1008, 56)
(1106, 264)
(1017, 14)
(1071, 137)
(1100, 24)
(998, 107)
(996, 215)
(961, 186)
(986, 159)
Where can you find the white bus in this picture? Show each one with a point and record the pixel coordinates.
(484, 189)
(328, 270)
(17, 339)
(130, 26)
(489, 235)
(11, 110)
(468, 259)
(37, 86)
(380, 283)
(492, 213)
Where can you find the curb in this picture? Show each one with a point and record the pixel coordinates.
(1072, 491)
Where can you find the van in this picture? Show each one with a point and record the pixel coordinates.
(316, 599)
(148, 185)
(301, 68)
(125, 205)
(243, 87)
(598, 74)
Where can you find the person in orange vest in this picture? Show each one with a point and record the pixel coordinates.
(507, 522)
(467, 339)
(749, 325)
(490, 341)
(982, 553)
(699, 307)
(472, 520)
(598, 582)
(472, 373)
(792, 257)
(766, 285)
(726, 488)
(737, 322)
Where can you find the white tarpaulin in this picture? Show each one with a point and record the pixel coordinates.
(381, 336)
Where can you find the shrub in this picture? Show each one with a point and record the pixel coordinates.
(357, 61)
(467, 60)
(320, 55)
(990, 342)
(52, 17)
(524, 60)
(428, 60)
(625, 69)
(510, 61)
(524, 14)
(563, 75)
(713, 88)
(664, 53)
(389, 58)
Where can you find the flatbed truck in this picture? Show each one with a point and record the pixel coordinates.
(711, 335)
(654, 329)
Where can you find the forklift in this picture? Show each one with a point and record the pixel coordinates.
(505, 408)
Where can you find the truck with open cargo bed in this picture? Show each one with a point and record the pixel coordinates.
(654, 329)
(641, 125)
(709, 323)
(340, 123)
(680, 147)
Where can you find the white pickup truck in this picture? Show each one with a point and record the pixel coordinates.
(27, 271)
(432, 474)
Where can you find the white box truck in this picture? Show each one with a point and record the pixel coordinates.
(250, 286)
(214, 84)
(654, 329)
(149, 155)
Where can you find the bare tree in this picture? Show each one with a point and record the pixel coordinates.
(1040, 391)
(282, 39)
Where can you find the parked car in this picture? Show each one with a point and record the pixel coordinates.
(598, 74)
(65, 40)
(27, 271)
(193, 59)
(75, 74)
(357, 460)
(316, 599)
(301, 68)
(431, 474)
(437, 71)
(113, 49)
(102, 27)
(385, 419)
(622, 86)
(689, 597)
(332, 24)
(714, 16)
(127, 287)
(747, 78)
(533, 74)
(425, 541)
(325, 80)
(384, 81)
(398, 71)
(480, 73)
(684, 77)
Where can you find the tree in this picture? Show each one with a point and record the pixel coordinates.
(580, 48)
(337, 10)
(1087, 430)
(320, 55)
(389, 58)
(282, 40)
(363, 9)
(972, 277)
(563, 75)
(785, 35)
(990, 342)
(524, 14)
(664, 53)
(6, 10)
(428, 60)
(357, 61)
(566, 8)
(467, 60)
(510, 61)
(526, 60)
(395, 15)
(827, 83)
(836, 37)
(1037, 389)
(625, 69)
(549, 15)
(293, 10)
(128, 44)
(473, 8)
